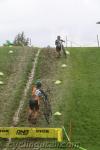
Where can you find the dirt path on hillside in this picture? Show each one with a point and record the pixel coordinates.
(47, 71)
(49, 68)
(29, 82)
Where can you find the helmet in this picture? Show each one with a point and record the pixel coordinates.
(38, 83)
(58, 37)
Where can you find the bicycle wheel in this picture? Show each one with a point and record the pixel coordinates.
(47, 111)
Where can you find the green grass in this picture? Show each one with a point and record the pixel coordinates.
(84, 96)
(77, 97)
(6, 62)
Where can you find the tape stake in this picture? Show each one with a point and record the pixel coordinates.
(66, 134)
(81, 148)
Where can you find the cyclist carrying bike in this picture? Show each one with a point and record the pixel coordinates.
(34, 102)
(59, 46)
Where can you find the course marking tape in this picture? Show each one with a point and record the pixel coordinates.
(27, 132)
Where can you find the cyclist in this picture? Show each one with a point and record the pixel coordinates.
(34, 102)
(59, 46)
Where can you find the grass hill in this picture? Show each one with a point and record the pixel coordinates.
(77, 97)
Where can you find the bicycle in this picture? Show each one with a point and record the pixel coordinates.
(47, 110)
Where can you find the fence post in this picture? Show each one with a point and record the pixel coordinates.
(98, 40)
(66, 42)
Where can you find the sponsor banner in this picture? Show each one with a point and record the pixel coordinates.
(27, 132)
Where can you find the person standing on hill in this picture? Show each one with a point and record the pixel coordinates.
(59, 46)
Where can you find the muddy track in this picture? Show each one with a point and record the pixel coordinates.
(45, 70)
(29, 82)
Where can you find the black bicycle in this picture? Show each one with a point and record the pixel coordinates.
(47, 110)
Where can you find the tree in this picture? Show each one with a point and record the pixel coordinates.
(21, 40)
(8, 43)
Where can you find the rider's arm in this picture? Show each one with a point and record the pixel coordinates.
(43, 94)
(62, 40)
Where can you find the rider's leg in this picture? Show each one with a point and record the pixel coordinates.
(30, 114)
(58, 49)
(64, 52)
(35, 116)
(59, 54)
(36, 112)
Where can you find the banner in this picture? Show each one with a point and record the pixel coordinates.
(27, 132)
